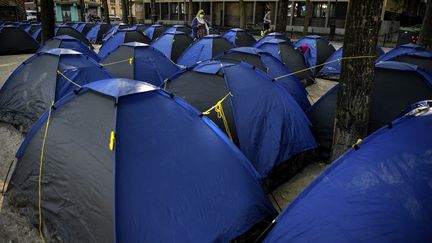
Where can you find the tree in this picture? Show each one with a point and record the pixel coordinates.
(282, 16)
(124, 11)
(36, 3)
(82, 10)
(190, 10)
(425, 38)
(361, 37)
(242, 14)
(106, 11)
(47, 19)
(153, 11)
(307, 17)
(131, 22)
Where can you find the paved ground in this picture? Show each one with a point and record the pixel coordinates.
(15, 228)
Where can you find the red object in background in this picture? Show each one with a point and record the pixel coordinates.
(414, 39)
(304, 48)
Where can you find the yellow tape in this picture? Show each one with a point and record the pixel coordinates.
(130, 60)
(218, 108)
(40, 173)
(111, 143)
(357, 143)
(68, 79)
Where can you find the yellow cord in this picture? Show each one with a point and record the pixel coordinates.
(218, 108)
(40, 174)
(68, 79)
(319, 65)
(130, 60)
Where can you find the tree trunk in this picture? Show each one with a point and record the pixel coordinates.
(106, 11)
(47, 18)
(124, 11)
(131, 22)
(242, 14)
(190, 10)
(425, 38)
(361, 37)
(82, 10)
(307, 17)
(36, 2)
(153, 11)
(282, 16)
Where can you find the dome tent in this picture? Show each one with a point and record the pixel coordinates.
(85, 28)
(119, 38)
(185, 29)
(113, 30)
(395, 86)
(172, 44)
(239, 37)
(204, 49)
(333, 67)
(96, 33)
(139, 27)
(378, 191)
(271, 36)
(14, 40)
(73, 33)
(318, 50)
(154, 31)
(40, 80)
(140, 62)
(67, 42)
(273, 67)
(137, 189)
(410, 53)
(261, 117)
(289, 56)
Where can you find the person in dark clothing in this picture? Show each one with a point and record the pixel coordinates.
(199, 25)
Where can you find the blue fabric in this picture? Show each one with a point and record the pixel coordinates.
(271, 126)
(93, 33)
(272, 36)
(112, 43)
(200, 50)
(272, 47)
(177, 28)
(379, 193)
(196, 173)
(71, 43)
(79, 69)
(408, 49)
(165, 43)
(110, 33)
(152, 66)
(36, 33)
(311, 54)
(150, 30)
(231, 35)
(276, 68)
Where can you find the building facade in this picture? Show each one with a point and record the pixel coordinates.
(70, 11)
(12, 10)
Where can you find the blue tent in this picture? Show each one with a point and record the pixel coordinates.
(333, 67)
(154, 31)
(239, 37)
(273, 67)
(113, 30)
(139, 27)
(14, 40)
(136, 164)
(260, 116)
(395, 86)
(317, 50)
(74, 33)
(271, 36)
(67, 42)
(204, 49)
(119, 38)
(43, 78)
(96, 33)
(379, 191)
(172, 44)
(410, 53)
(140, 62)
(185, 29)
(85, 28)
(292, 58)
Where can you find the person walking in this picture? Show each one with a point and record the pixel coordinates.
(267, 23)
(199, 25)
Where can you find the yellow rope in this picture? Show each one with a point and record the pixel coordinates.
(130, 60)
(40, 174)
(319, 65)
(218, 108)
(68, 79)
